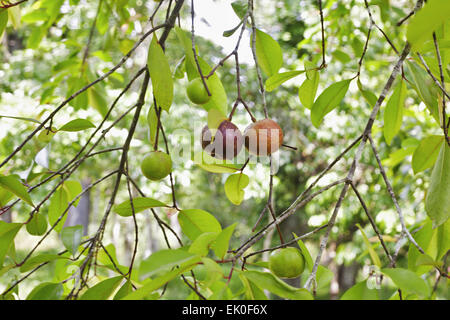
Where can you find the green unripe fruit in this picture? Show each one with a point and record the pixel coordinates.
(156, 165)
(287, 263)
(196, 92)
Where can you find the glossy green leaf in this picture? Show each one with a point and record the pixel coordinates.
(408, 281)
(77, 125)
(164, 260)
(12, 184)
(152, 120)
(125, 290)
(328, 100)
(156, 283)
(234, 187)
(219, 99)
(35, 261)
(58, 205)
(268, 281)
(71, 238)
(393, 113)
(139, 204)
(268, 53)
(369, 96)
(7, 233)
(307, 91)
(210, 164)
(240, 7)
(252, 292)
(102, 290)
(202, 243)
(194, 222)
(3, 21)
(308, 259)
(373, 255)
(360, 291)
(437, 202)
(97, 100)
(37, 226)
(160, 74)
(222, 242)
(279, 78)
(424, 86)
(46, 291)
(426, 153)
(426, 21)
(215, 118)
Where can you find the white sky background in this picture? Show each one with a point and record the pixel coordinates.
(220, 17)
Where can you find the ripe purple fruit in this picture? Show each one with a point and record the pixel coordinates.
(227, 142)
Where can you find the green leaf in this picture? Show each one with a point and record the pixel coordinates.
(97, 100)
(234, 187)
(12, 184)
(152, 120)
(360, 291)
(208, 163)
(219, 99)
(14, 16)
(156, 283)
(5, 197)
(443, 239)
(369, 96)
(3, 21)
(252, 292)
(46, 291)
(7, 233)
(328, 100)
(215, 118)
(164, 260)
(437, 202)
(21, 118)
(39, 259)
(240, 8)
(279, 78)
(307, 91)
(73, 189)
(36, 36)
(323, 277)
(426, 21)
(426, 153)
(37, 226)
(102, 290)
(425, 87)
(268, 53)
(393, 114)
(58, 204)
(125, 290)
(77, 125)
(268, 281)
(139, 204)
(160, 74)
(213, 272)
(305, 253)
(71, 237)
(408, 281)
(373, 255)
(194, 222)
(220, 246)
(202, 243)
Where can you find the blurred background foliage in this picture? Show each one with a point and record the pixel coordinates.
(41, 63)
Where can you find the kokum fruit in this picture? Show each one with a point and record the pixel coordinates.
(263, 137)
(196, 92)
(287, 263)
(156, 165)
(227, 142)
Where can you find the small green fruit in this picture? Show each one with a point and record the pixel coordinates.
(196, 92)
(156, 166)
(287, 263)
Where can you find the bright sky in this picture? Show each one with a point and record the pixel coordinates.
(220, 17)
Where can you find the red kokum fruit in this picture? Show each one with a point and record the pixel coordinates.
(226, 143)
(263, 137)
(196, 92)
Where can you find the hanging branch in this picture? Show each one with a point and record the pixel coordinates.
(5, 4)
